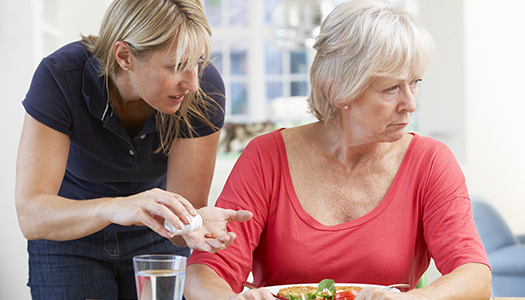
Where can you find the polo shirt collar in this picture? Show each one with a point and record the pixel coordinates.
(94, 90)
(97, 99)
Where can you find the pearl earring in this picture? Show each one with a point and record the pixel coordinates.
(126, 68)
(345, 107)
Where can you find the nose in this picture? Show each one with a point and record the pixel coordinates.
(409, 99)
(190, 80)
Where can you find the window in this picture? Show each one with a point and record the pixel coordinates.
(262, 82)
(256, 74)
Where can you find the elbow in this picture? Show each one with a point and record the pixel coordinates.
(26, 229)
(24, 223)
(485, 280)
(488, 287)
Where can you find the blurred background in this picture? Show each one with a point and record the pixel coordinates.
(471, 99)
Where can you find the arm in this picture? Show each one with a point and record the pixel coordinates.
(217, 288)
(42, 214)
(191, 166)
(190, 173)
(467, 282)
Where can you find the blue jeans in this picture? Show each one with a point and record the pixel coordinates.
(98, 266)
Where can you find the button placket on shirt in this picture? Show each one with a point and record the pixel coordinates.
(136, 142)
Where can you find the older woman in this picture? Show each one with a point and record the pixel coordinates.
(352, 197)
(121, 130)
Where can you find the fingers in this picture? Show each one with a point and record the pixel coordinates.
(377, 293)
(179, 208)
(222, 242)
(256, 294)
(239, 216)
(211, 245)
(151, 208)
(154, 223)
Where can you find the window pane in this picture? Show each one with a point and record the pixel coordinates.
(274, 59)
(213, 11)
(299, 88)
(268, 7)
(238, 13)
(239, 58)
(239, 98)
(298, 62)
(273, 90)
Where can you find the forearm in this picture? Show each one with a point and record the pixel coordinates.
(191, 168)
(57, 218)
(468, 282)
(53, 217)
(203, 283)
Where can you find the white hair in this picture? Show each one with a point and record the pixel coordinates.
(360, 40)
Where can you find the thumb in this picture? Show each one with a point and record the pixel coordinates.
(239, 216)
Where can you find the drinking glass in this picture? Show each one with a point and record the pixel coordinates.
(159, 276)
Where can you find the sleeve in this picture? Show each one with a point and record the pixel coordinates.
(46, 101)
(212, 85)
(248, 187)
(449, 227)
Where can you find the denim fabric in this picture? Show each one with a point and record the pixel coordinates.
(98, 266)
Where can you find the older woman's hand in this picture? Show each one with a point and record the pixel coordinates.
(373, 293)
(213, 236)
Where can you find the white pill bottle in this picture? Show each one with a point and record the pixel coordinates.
(196, 224)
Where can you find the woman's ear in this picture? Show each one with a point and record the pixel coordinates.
(122, 54)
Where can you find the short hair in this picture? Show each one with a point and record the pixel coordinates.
(360, 40)
(152, 25)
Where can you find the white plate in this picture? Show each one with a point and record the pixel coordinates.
(276, 288)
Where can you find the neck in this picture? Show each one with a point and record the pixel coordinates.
(121, 91)
(350, 149)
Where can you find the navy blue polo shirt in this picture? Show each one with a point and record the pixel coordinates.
(68, 95)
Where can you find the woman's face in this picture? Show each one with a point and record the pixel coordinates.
(383, 110)
(160, 82)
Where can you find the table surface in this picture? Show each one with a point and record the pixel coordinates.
(507, 298)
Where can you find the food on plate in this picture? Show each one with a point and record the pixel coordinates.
(326, 289)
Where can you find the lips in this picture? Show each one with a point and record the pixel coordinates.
(177, 98)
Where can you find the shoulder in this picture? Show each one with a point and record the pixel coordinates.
(268, 141)
(426, 146)
(211, 80)
(265, 149)
(432, 161)
(71, 57)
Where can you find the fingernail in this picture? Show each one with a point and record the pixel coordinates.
(189, 219)
(171, 234)
(179, 224)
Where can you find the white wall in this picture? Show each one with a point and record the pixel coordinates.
(19, 56)
(17, 64)
(495, 166)
(472, 98)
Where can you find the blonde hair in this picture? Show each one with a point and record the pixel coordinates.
(152, 25)
(360, 40)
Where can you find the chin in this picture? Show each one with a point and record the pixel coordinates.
(395, 137)
(170, 110)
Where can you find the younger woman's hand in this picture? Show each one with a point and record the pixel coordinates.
(213, 236)
(150, 208)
